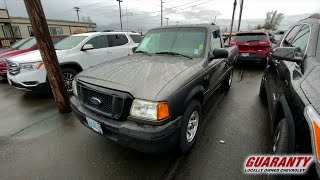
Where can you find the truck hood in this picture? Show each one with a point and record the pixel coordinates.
(142, 76)
(34, 56)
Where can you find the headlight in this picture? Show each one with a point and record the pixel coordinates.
(31, 66)
(313, 119)
(74, 87)
(149, 110)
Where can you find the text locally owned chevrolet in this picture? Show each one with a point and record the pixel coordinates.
(75, 53)
(151, 101)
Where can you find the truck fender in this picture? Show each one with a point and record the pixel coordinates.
(196, 91)
(282, 105)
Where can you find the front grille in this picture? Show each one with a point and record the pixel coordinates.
(13, 68)
(104, 101)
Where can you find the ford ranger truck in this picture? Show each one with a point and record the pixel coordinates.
(152, 101)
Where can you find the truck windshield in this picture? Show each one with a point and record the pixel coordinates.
(250, 37)
(28, 44)
(20, 42)
(185, 41)
(69, 42)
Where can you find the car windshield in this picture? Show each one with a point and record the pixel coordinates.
(69, 42)
(28, 44)
(250, 37)
(185, 41)
(20, 42)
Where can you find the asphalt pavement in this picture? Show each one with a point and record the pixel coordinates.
(36, 142)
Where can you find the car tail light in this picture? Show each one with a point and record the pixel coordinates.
(232, 42)
(313, 120)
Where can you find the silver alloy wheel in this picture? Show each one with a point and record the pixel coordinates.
(276, 139)
(192, 126)
(68, 78)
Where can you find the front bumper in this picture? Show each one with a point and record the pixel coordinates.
(142, 137)
(37, 88)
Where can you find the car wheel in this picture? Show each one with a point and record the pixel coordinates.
(262, 92)
(189, 126)
(227, 82)
(68, 76)
(281, 138)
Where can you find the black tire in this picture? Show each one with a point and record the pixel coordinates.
(227, 82)
(184, 144)
(281, 138)
(68, 76)
(262, 92)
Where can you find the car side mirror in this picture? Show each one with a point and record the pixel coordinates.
(286, 53)
(87, 47)
(134, 49)
(219, 53)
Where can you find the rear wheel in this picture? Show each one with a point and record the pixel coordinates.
(189, 127)
(262, 92)
(281, 138)
(68, 76)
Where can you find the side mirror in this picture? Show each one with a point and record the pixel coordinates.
(134, 49)
(219, 53)
(286, 53)
(87, 47)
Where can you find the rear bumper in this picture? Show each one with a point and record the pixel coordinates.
(252, 58)
(142, 137)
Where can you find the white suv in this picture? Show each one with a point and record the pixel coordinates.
(75, 53)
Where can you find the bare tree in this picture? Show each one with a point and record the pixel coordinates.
(272, 21)
(86, 19)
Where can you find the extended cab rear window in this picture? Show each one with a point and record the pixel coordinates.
(250, 37)
(136, 38)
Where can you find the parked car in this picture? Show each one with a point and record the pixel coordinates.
(75, 53)
(152, 100)
(15, 45)
(278, 36)
(291, 86)
(29, 45)
(254, 46)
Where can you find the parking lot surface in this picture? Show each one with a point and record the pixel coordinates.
(36, 142)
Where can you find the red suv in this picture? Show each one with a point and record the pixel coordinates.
(27, 46)
(253, 46)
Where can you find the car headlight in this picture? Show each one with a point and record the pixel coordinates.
(31, 66)
(149, 110)
(313, 119)
(74, 87)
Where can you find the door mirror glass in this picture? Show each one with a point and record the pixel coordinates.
(286, 53)
(87, 47)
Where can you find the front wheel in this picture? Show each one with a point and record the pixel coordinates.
(68, 76)
(189, 126)
(281, 138)
(227, 82)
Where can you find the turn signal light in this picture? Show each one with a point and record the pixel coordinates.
(316, 132)
(39, 65)
(313, 120)
(163, 111)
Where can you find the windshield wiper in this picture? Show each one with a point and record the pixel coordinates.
(143, 52)
(253, 40)
(174, 54)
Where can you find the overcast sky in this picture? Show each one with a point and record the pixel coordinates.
(146, 13)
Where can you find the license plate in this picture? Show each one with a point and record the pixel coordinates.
(244, 54)
(96, 126)
(9, 81)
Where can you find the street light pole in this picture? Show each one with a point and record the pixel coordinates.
(120, 13)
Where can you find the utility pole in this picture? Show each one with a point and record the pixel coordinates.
(234, 9)
(161, 12)
(77, 10)
(6, 5)
(48, 53)
(177, 22)
(240, 15)
(167, 20)
(120, 13)
(215, 18)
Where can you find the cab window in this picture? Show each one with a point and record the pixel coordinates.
(290, 36)
(301, 40)
(215, 40)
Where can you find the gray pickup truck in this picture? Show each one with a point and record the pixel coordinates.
(151, 101)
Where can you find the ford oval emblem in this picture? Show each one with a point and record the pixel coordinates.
(95, 101)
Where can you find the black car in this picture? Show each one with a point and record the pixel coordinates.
(152, 100)
(291, 86)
